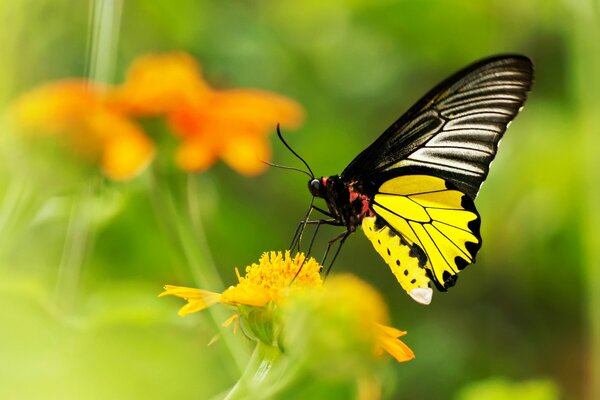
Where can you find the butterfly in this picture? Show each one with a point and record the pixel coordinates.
(412, 190)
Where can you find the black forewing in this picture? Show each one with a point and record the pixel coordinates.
(454, 130)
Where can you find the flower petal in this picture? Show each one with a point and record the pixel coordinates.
(245, 153)
(246, 294)
(157, 83)
(198, 299)
(195, 155)
(257, 110)
(55, 107)
(126, 150)
(233, 125)
(387, 338)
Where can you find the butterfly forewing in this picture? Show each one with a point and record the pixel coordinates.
(454, 130)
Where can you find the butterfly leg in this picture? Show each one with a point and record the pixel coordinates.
(312, 240)
(331, 221)
(327, 213)
(301, 226)
(342, 238)
(297, 239)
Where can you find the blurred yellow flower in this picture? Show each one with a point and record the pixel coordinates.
(75, 110)
(228, 124)
(350, 313)
(98, 122)
(347, 305)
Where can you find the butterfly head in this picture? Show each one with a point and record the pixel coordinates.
(317, 187)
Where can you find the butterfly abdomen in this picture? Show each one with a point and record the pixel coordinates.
(404, 263)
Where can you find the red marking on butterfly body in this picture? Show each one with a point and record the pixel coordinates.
(366, 210)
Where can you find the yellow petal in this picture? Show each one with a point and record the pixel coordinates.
(55, 107)
(195, 305)
(391, 331)
(245, 294)
(387, 338)
(197, 299)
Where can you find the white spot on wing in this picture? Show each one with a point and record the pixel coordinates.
(421, 295)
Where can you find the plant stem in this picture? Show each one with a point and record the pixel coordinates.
(586, 64)
(78, 239)
(17, 199)
(103, 38)
(253, 382)
(191, 243)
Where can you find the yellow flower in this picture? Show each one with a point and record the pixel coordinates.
(75, 110)
(341, 314)
(268, 281)
(350, 314)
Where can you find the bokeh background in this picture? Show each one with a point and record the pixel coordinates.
(527, 313)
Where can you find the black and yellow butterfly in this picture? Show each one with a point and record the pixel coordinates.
(412, 190)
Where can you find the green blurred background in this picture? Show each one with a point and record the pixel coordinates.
(528, 310)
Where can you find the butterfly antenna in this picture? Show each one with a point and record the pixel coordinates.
(286, 167)
(312, 175)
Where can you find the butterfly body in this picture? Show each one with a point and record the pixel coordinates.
(346, 201)
(413, 189)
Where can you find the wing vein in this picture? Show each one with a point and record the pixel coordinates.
(413, 194)
(460, 148)
(454, 226)
(451, 241)
(443, 165)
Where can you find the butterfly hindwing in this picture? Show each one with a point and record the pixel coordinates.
(434, 215)
(399, 255)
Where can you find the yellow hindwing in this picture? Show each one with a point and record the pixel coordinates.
(397, 255)
(438, 218)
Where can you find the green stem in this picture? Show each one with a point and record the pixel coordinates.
(78, 239)
(586, 64)
(17, 199)
(103, 38)
(105, 17)
(254, 382)
(194, 207)
(191, 243)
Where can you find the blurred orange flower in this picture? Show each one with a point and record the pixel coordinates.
(158, 83)
(228, 124)
(98, 122)
(76, 109)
